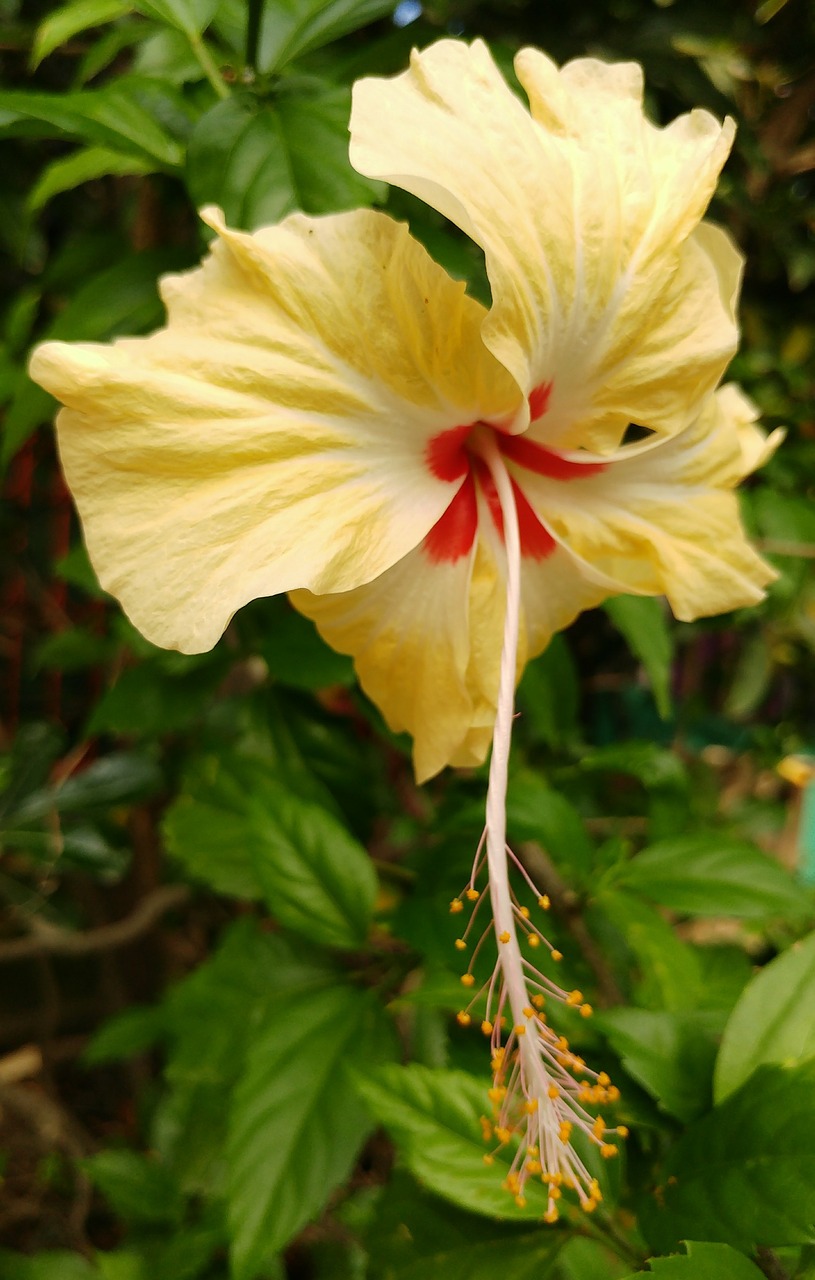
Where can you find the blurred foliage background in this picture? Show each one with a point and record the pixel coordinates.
(225, 952)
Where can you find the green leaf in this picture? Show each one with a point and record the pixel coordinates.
(212, 1018)
(262, 161)
(536, 812)
(583, 1259)
(84, 165)
(207, 827)
(123, 1264)
(46, 1266)
(247, 828)
(68, 20)
(189, 16)
(655, 767)
(123, 777)
(297, 1123)
(643, 622)
(125, 1035)
(670, 1055)
(298, 657)
(111, 117)
(549, 695)
(773, 1022)
(295, 27)
(317, 879)
(154, 697)
(711, 874)
(670, 970)
(743, 1174)
(433, 1117)
(417, 1236)
(704, 1262)
(755, 668)
(140, 1190)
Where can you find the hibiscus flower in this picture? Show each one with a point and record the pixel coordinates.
(439, 485)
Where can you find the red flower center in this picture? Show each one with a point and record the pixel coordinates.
(450, 457)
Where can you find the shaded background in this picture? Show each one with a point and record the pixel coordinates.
(125, 863)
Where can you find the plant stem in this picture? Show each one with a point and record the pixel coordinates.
(253, 19)
(770, 1264)
(207, 65)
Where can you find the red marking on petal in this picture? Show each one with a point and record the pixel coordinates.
(446, 454)
(539, 400)
(536, 541)
(545, 462)
(453, 534)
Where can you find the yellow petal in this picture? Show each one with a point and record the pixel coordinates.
(409, 632)
(663, 519)
(586, 213)
(273, 435)
(426, 639)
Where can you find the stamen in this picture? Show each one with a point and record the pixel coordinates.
(536, 1095)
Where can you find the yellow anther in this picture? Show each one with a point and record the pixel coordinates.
(599, 1128)
(502, 1133)
(551, 1215)
(503, 937)
(463, 1018)
(486, 1027)
(520, 1201)
(534, 940)
(555, 1193)
(539, 1001)
(533, 1167)
(561, 1043)
(594, 1189)
(603, 1079)
(472, 895)
(588, 1206)
(543, 902)
(565, 1130)
(460, 944)
(498, 1055)
(569, 1182)
(586, 1011)
(556, 955)
(553, 1092)
(467, 980)
(608, 1151)
(489, 1159)
(528, 1011)
(622, 1131)
(613, 1093)
(512, 1182)
(574, 997)
(497, 1093)
(520, 1030)
(524, 911)
(531, 1106)
(532, 1151)
(455, 906)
